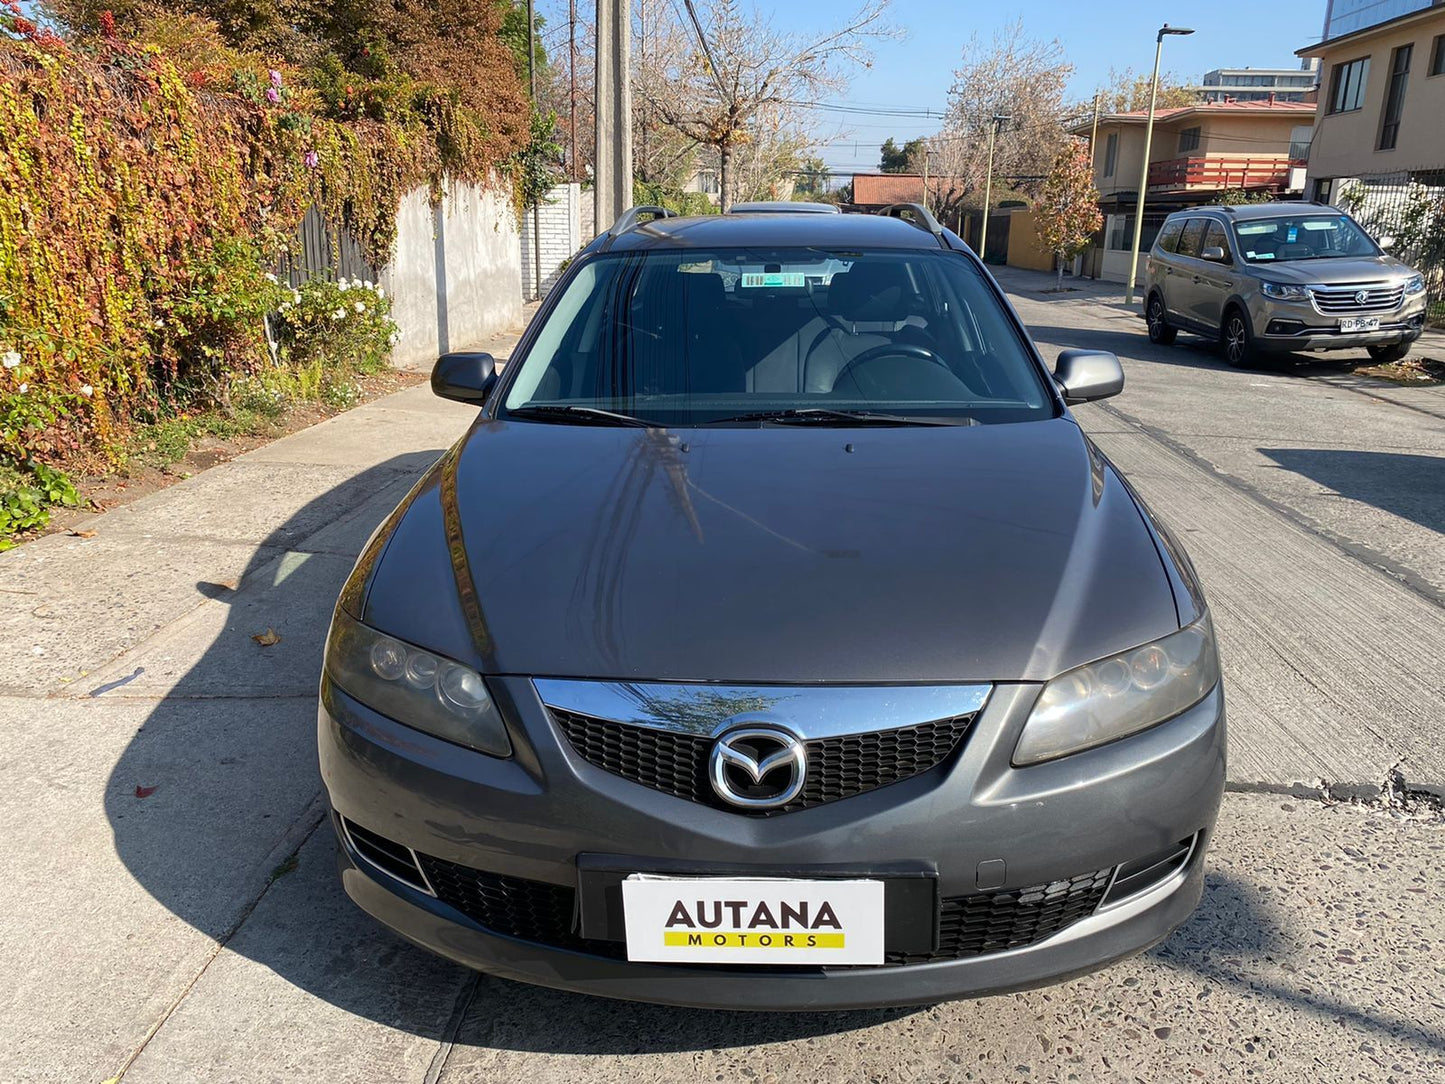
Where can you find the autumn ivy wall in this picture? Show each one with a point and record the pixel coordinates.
(153, 173)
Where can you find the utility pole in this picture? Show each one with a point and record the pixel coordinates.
(1094, 132)
(612, 180)
(925, 173)
(1144, 168)
(536, 210)
(573, 172)
(993, 128)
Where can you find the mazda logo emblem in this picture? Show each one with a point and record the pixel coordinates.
(758, 767)
(1361, 297)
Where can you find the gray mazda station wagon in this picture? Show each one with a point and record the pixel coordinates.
(775, 639)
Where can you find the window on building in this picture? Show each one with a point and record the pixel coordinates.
(1347, 85)
(1395, 97)
(1111, 154)
(1437, 56)
(1189, 139)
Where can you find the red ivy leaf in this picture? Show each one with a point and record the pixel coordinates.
(144, 792)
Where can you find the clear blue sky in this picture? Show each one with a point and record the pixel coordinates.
(916, 72)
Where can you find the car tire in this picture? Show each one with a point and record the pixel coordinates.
(1158, 320)
(1236, 339)
(1392, 352)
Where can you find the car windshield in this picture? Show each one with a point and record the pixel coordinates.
(742, 336)
(1302, 237)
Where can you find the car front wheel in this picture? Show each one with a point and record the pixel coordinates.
(1159, 330)
(1392, 352)
(1237, 340)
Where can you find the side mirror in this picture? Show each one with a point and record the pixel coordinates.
(1086, 375)
(1214, 254)
(464, 377)
(1386, 243)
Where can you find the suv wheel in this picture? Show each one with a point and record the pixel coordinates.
(1237, 339)
(1159, 330)
(1393, 352)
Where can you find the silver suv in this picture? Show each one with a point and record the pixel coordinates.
(1276, 277)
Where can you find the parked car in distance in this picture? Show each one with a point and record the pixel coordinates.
(775, 638)
(1280, 277)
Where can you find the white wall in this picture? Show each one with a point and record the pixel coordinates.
(559, 222)
(455, 276)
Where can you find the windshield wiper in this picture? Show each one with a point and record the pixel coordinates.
(579, 415)
(808, 415)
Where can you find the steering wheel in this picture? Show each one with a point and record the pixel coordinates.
(890, 350)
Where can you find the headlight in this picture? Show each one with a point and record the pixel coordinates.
(1415, 284)
(414, 687)
(1283, 291)
(1121, 695)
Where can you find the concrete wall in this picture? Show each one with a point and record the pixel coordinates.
(1344, 143)
(559, 235)
(1024, 247)
(455, 275)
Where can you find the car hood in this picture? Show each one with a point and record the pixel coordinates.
(787, 554)
(1335, 271)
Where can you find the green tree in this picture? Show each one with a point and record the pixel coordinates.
(896, 159)
(812, 179)
(1067, 211)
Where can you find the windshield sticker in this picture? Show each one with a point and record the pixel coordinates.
(774, 278)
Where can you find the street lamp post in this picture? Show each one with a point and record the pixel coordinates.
(1144, 168)
(988, 185)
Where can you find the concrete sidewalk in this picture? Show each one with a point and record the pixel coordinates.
(160, 762)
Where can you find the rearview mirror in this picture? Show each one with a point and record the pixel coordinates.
(1086, 375)
(464, 377)
(1386, 243)
(1214, 254)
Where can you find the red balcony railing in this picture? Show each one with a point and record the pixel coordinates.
(1220, 172)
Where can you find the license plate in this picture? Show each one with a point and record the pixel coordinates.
(752, 920)
(1359, 323)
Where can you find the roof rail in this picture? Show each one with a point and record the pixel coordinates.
(921, 217)
(632, 218)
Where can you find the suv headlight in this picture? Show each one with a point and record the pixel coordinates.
(1415, 284)
(1283, 291)
(415, 687)
(1120, 695)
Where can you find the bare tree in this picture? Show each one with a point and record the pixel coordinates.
(1127, 91)
(1012, 76)
(740, 81)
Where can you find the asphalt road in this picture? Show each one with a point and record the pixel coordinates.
(173, 914)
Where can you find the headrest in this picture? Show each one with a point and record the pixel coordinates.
(871, 292)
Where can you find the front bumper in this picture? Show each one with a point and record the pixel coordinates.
(1284, 328)
(531, 818)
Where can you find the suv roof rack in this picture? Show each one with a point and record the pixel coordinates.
(632, 218)
(921, 217)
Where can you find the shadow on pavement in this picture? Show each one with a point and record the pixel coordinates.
(1409, 486)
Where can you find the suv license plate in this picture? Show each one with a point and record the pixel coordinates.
(1359, 323)
(753, 920)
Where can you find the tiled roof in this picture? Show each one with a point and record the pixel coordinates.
(886, 188)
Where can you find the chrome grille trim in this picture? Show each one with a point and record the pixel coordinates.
(809, 711)
(1341, 300)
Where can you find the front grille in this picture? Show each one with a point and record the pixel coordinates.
(837, 767)
(999, 921)
(1342, 300)
(968, 925)
(521, 908)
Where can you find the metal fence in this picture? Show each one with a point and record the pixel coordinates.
(319, 250)
(1409, 208)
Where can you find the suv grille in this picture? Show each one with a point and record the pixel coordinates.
(1365, 297)
(968, 925)
(837, 767)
